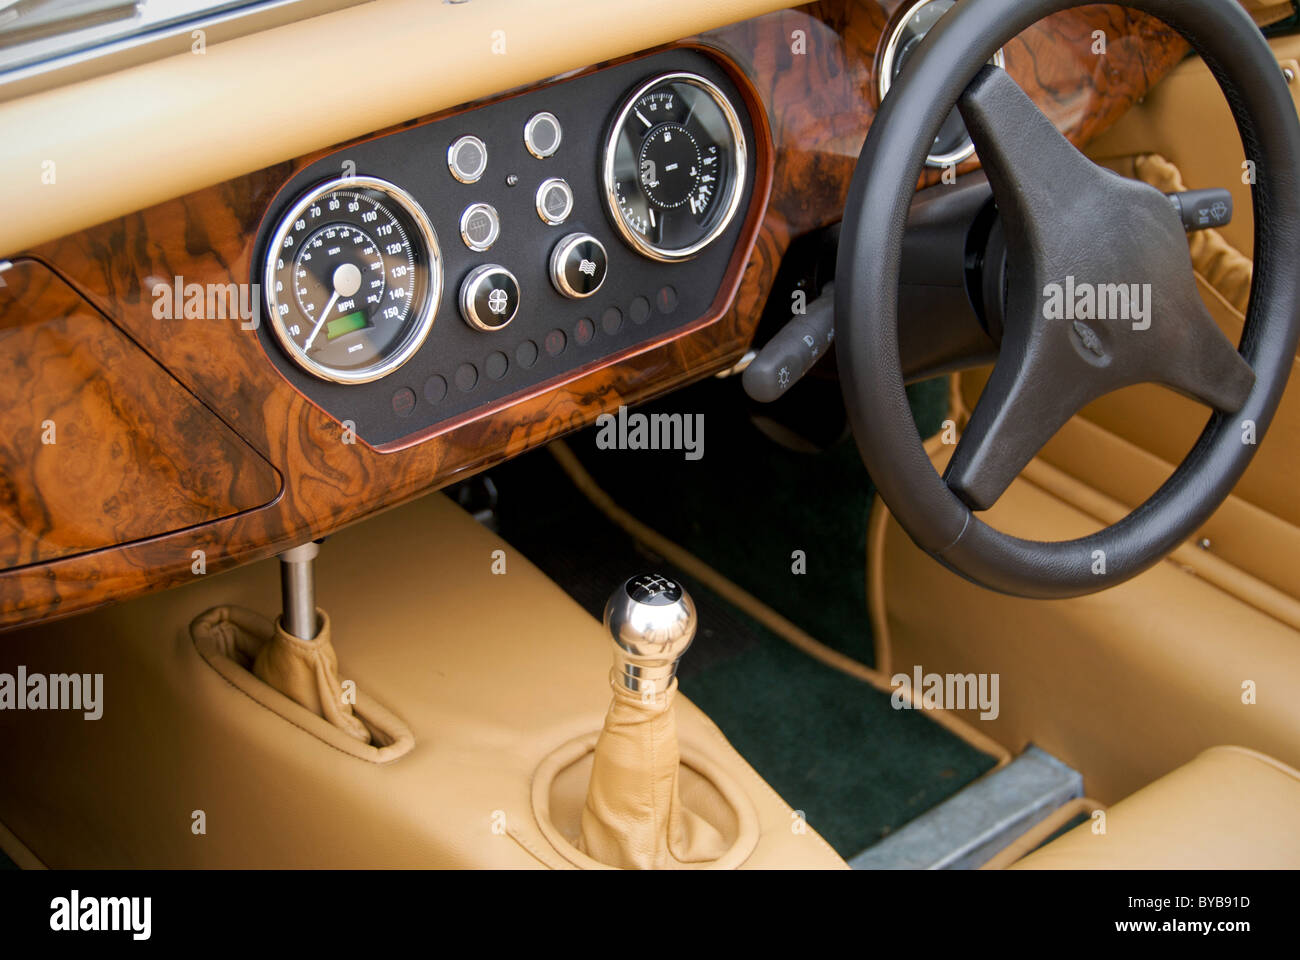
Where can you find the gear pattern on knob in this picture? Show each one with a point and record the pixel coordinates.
(653, 589)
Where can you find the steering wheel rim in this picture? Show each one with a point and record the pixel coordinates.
(940, 522)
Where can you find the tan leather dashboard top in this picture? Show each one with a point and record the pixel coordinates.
(131, 139)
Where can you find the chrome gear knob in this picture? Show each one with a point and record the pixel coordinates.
(652, 621)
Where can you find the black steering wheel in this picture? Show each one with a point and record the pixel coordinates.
(1066, 221)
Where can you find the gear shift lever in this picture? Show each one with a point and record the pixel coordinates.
(652, 622)
(634, 815)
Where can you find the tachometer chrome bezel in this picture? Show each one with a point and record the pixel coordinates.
(885, 73)
(427, 310)
(739, 160)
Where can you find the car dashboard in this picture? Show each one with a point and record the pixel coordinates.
(264, 359)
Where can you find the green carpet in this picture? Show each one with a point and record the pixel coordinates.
(831, 745)
(748, 504)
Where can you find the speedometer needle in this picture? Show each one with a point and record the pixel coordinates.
(347, 281)
(319, 323)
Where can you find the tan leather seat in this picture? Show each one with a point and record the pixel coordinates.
(1230, 807)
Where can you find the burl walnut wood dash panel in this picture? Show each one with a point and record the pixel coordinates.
(98, 445)
(816, 107)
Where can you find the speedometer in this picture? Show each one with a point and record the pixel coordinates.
(353, 279)
(673, 166)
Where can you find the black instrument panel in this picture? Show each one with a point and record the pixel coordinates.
(463, 365)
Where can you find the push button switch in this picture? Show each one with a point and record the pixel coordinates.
(489, 297)
(467, 159)
(480, 226)
(578, 265)
(542, 134)
(554, 201)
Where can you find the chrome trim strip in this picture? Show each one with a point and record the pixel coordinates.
(969, 828)
(163, 38)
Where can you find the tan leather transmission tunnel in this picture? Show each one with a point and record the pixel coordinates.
(498, 686)
(633, 816)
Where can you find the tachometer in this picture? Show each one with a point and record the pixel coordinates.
(353, 278)
(674, 165)
(952, 144)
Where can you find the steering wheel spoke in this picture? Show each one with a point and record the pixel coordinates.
(1039, 179)
(1016, 415)
(1197, 360)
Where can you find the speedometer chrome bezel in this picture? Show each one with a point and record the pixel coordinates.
(427, 311)
(885, 73)
(739, 162)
